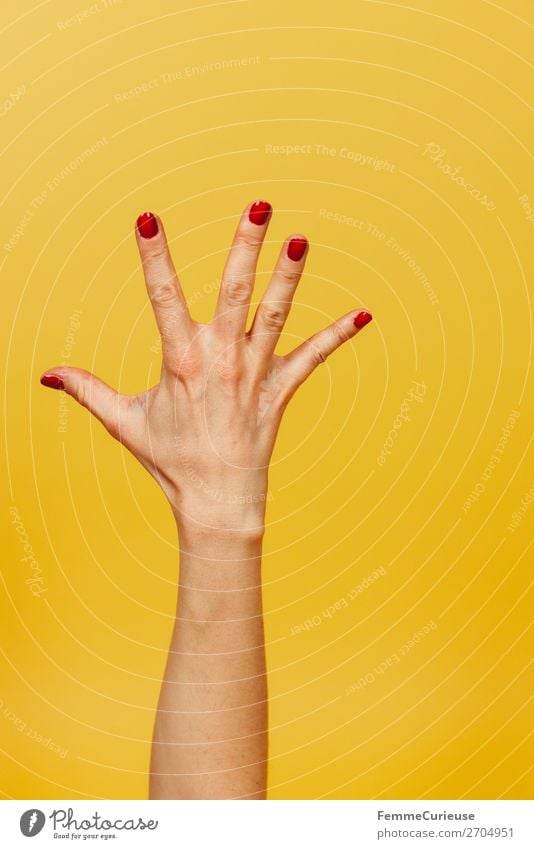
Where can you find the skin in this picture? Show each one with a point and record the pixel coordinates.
(206, 433)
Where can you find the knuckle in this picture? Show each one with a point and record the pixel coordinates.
(83, 393)
(248, 240)
(118, 420)
(289, 275)
(113, 426)
(186, 367)
(154, 253)
(339, 333)
(273, 317)
(237, 292)
(84, 389)
(163, 293)
(317, 356)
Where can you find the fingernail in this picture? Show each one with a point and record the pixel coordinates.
(362, 319)
(296, 249)
(259, 212)
(53, 381)
(147, 225)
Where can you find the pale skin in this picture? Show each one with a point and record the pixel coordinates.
(206, 433)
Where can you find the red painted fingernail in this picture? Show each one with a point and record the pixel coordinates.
(362, 319)
(53, 381)
(147, 225)
(259, 212)
(296, 249)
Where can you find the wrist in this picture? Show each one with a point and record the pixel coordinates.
(219, 569)
(233, 512)
(216, 535)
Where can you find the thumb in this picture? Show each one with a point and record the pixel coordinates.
(89, 391)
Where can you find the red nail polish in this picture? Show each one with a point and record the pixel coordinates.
(259, 212)
(53, 381)
(296, 249)
(362, 319)
(147, 225)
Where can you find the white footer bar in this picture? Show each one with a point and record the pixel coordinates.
(264, 825)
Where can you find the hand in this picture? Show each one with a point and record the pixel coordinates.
(207, 430)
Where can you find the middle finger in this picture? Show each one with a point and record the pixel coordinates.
(238, 277)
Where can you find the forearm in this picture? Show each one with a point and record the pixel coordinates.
(210, 736)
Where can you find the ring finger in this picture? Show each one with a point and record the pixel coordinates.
(274, 307)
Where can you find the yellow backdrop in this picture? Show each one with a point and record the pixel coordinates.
(396, 136)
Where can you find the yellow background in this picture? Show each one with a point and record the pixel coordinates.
(81, 663)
